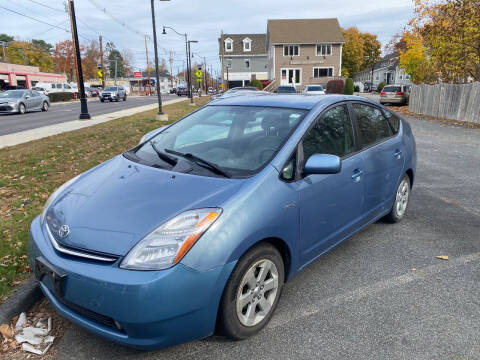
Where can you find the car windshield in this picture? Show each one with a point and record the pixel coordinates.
(315, 88)
(286, 89)
(111, 88)
(239, 140)
(392, 88)
(12, 94)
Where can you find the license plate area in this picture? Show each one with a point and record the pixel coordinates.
(57, 277)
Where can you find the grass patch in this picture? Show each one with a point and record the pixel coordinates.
(30, 172)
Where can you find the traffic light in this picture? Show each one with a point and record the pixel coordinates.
(99, 66)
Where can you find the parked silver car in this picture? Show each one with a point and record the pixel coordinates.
(21, 101)
(395, 94)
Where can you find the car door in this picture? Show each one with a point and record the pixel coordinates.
(37, 103)
(29, 100)
(330, 205)
(383, 156)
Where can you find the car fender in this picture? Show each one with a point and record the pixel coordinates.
(264, 208)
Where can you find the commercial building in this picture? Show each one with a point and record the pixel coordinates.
(14, 76)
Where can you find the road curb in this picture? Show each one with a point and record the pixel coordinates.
(21, 300)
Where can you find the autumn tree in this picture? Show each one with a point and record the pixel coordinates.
(415, 60)
(450, 32)
(90, 60)
(64, 59)
(360, 51)
(26, 53)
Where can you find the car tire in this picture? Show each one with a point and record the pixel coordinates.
(101, 100)
(125, 98)
(21, 109)
(244, 294)
(45, 106)
(110, 100)
(402, 197)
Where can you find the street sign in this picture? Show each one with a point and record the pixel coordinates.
(100, 74)
(199, 73)
(199, 80)
(222, 85)
(137, 74)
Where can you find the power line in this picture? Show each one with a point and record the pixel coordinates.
(40, 21)
(49, 7)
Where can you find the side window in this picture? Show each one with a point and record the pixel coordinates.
(66, 86)
(393, 120)
(331, 134)
(59, 86)
(373, 125)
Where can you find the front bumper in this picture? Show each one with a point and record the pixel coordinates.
(142, 309)
(109, 97)
(7, 108)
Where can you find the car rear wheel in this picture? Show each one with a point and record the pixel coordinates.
(45, 106)
(252, 292)
(400, 204)
(102, 100)
(125, 97)
(21, 109)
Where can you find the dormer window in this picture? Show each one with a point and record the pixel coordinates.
(228, 45)
(247, 44)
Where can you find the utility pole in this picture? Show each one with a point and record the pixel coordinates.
(148, 70)
(116, 60)
(205, 75)
(171, 69)
(222, 46)
(83, 100)
(101, 61)
(160, 115)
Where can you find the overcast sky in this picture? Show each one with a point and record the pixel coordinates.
(202, 20)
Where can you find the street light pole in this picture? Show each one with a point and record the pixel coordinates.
(84, 115)
(160, 115)
(188, 55)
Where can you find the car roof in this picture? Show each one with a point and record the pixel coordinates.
(297, 101)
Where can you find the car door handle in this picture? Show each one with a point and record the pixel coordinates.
(397, 154)
(357, 175)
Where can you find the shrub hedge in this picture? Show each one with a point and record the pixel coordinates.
(335, 87)
(349, 86)
(60, 96)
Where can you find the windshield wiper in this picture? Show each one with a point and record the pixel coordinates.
(202, 162)
(168, 159)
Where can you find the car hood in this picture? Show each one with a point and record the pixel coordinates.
(112, 207)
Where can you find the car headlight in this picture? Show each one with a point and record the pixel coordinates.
(12, 103)
(53, 197)
(168, 244)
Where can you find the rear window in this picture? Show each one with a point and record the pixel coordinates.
(392, 88)
(315, 88)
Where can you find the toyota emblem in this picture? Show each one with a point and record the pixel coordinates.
(63, 231)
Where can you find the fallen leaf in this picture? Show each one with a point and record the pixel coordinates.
(6, 331)
(442, 257)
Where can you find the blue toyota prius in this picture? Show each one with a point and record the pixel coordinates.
(196, 229)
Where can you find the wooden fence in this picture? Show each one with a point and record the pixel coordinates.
(447, 101)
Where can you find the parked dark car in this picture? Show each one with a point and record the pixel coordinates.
(285, 90)
(95, 91)
(369, 87)
(182, 91)
(173, 90)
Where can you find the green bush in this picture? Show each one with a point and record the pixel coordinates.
(256, 83)
(349, 86)
(335, 87)
(60, 96)
(381, 86)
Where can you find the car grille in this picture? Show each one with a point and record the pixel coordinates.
(5, 108)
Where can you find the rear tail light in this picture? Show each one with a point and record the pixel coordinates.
(383, 93)
(399, 93)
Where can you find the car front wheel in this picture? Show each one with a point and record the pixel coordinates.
(252, 292)
(400, 204)
(21, 109)
(45, 106)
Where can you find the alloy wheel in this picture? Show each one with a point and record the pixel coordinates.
(257, 292)
(401, 199)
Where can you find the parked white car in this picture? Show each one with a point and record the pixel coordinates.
(56, 87)
(314, 89)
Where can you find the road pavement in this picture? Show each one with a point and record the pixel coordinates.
(380, 295)
(60, 113)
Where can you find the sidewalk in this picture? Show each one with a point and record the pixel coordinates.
(39, 133)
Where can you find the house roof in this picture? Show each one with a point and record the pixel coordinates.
(304, 31)
(257, 45)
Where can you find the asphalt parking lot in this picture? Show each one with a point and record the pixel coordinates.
(380, 295)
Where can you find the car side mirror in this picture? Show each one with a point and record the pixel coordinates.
(27, 97)
(322, 164)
